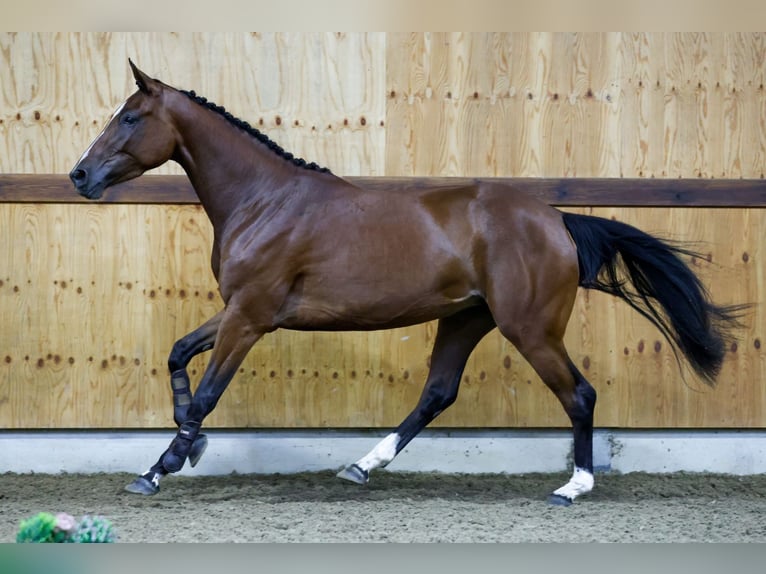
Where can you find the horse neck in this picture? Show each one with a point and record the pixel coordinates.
(228, 168)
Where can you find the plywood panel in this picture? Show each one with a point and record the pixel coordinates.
(320, 95)
(539, 104)
(543, 104)
(98, 293)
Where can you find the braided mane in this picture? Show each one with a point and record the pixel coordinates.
(260, 136)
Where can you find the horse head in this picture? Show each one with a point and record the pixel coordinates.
(139, 136)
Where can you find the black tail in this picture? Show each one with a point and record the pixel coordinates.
(614, 256)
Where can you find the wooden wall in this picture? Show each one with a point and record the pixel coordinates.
(94, 295)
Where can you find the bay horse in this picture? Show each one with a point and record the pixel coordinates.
(297, 247)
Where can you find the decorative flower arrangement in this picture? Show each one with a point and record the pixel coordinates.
(62, 527)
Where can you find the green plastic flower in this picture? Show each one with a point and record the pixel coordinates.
(96, 529)
(45, 527)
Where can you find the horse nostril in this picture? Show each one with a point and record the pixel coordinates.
(78, 175)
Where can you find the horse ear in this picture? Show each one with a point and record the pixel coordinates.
(144, 82)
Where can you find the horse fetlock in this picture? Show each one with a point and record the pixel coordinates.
(181, 446)
(174, 458)
(189, 430)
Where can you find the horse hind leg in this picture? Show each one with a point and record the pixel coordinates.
(456, 337)
(549, 358)
(579, 405)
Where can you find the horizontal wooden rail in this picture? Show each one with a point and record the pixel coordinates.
(176, 189)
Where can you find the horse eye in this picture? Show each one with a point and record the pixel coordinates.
(129, 119)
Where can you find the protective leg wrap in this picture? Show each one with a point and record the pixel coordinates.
(175, 457)
(182, 397)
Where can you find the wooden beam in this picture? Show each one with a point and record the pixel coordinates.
(596, 192)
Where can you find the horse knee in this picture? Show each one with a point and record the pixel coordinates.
(177, 358)
(184, 349)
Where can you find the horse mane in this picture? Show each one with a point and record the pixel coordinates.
(257, 134)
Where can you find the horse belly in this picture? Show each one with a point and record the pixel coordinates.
(370, 307)
(392, 265)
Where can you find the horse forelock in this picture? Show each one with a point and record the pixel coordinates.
(254, 132)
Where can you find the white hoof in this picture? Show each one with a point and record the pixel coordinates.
(580, 483)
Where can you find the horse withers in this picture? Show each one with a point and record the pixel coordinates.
(297, 247)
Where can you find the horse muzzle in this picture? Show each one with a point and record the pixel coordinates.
(83, 183)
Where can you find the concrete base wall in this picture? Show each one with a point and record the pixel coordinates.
(460, 451)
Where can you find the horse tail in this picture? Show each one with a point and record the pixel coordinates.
(650, 276)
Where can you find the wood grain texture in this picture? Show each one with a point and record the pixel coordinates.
(581, 191)
(576, 105)
(100, 293)
(623, 125)
(321, 95)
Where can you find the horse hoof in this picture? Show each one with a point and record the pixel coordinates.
(355, 474)
(143, 486)
(558, 500)
(198, 448)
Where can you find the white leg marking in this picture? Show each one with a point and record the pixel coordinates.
(155, 477)
(98, 137)
(383, 453)
(580, 483)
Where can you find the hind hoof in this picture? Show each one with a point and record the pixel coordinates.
(143, 486)
(354, 473)
(198, 448)
(558, 500)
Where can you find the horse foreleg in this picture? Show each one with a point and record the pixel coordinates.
(234, 338)
(184, 349)
(196, 342)
(456, 337)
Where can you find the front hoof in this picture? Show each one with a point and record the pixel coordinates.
(143, 486)
(354, 473)
(558, 500)
(197, 449)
